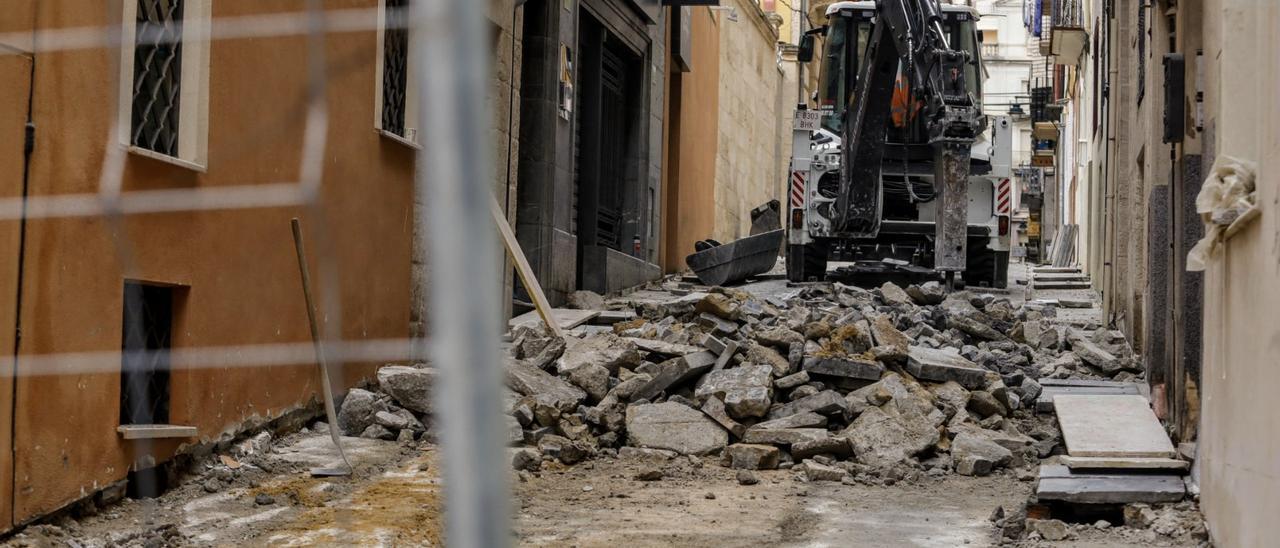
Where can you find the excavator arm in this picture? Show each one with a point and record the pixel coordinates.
(910, 32)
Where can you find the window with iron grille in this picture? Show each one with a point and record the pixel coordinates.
(395, 64)
(157, 76)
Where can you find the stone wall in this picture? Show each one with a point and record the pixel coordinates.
(748, 148)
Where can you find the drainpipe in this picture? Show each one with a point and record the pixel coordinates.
(29, 142)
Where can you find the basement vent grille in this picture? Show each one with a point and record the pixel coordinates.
(157, 75)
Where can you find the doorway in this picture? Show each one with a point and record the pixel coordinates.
(608, 193)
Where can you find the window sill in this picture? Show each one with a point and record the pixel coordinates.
(155, 431)
(145, 153)
(402, 140)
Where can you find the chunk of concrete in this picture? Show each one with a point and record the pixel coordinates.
(893, 294)
(881, 438)
(714, 408)
(358, 410)
(674, 427)
(674, 372)
(606, 349)
(835, 446)
(847, 367)
(798, 420)
(592, 379)
(944, 364)
(968, 444)
(409, 386)
(531, 381)
(884, 333)
(783, 436)
(747, 390)
(826, 402)
(750, 456)
(815, 471)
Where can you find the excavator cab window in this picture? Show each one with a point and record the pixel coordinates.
(843, 49)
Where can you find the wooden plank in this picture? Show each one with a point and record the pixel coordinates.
(1060, 483)
(1130, 463)
(1111, 426)
(155, 431)
(566, 318)
(523, 269)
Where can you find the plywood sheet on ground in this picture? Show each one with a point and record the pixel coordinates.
(568, 318)
(1111, 426)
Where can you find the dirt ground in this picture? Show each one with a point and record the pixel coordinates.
(395, 499)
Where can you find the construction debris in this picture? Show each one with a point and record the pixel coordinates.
(839, 381)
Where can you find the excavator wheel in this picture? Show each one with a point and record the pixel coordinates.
(806, 263)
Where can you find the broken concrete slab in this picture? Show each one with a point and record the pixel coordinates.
(968, 444)
(883, 333)
(714, 408)
(798, 420)
(674, 427)
(757, 353)
(835, 446)
(751, 456)
(783, 436)
(531, 381)
(662, 347)
(815, 471)
(1111, 426)
(674, 372)
(567, 318)
(880, 438)
(358, 410)
(409, 386)
(607, 350)
(945, 364)
(847, 367)
(726, 355)
(826, 402)
(893, 294)
(747, 390)
(928, 293)
(1060, 483)
(791, 381)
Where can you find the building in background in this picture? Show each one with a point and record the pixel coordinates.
(729, 98)
(591, 115)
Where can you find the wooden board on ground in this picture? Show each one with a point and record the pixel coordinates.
(1044, 403)
(1129, 463)
(530, 281)
(1111, 426)
(1056, 269)
(1060, 483)
(566, 318)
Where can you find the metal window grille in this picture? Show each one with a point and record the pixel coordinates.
(157, 76)
(395, 61)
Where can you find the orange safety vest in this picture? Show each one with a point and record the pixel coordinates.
(901, 100)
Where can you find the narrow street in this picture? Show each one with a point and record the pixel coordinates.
(259, 491)
(597, 273)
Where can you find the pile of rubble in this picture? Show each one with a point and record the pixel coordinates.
(840, 382)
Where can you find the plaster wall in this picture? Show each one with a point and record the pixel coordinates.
(234, 270)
